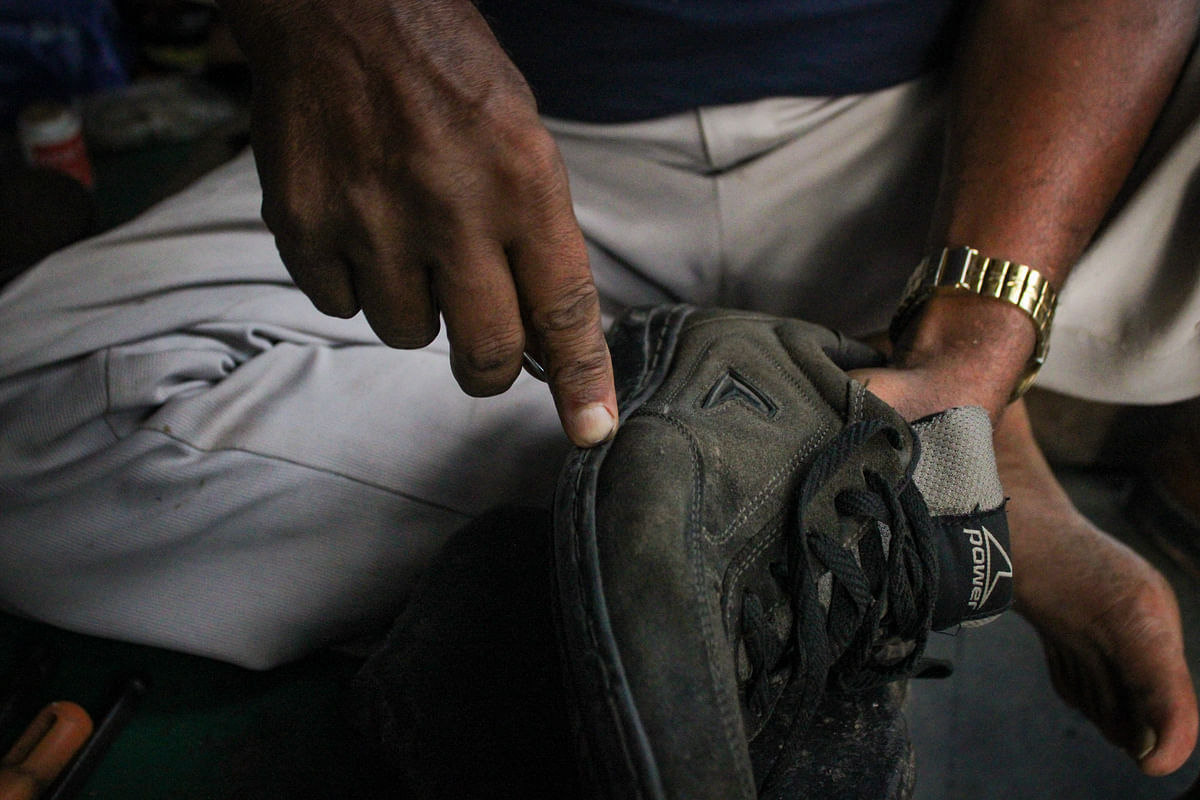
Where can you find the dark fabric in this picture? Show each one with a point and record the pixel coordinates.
(464, 700)
(623, 60)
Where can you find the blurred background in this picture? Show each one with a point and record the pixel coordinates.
(107, 106)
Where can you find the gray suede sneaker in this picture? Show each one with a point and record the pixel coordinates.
(757, 530)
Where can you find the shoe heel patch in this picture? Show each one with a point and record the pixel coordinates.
(975, 568)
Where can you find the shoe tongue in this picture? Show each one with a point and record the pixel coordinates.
(957, 469)
(957, 476)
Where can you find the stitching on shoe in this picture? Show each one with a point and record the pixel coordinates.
(730, 717)
(687, 378)
(858, 394)
(763, 543)
(757, 501)
(760, 498)
(788, 375)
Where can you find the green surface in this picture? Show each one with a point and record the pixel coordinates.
(207, 729)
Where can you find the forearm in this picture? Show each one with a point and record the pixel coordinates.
(1052, 101)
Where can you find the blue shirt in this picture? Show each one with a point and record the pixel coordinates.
(622, 60)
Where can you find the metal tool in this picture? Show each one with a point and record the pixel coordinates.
(535, 369)
(129, 694)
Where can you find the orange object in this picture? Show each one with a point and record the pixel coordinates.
(43, 750)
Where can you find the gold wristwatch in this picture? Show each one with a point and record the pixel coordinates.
(964, 269)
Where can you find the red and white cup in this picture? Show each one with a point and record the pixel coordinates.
(51, 135)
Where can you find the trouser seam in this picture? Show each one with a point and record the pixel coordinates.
(303, 465)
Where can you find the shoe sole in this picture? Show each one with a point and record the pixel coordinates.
(614, 751)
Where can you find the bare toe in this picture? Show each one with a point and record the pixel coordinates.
(1145, 639)
(1108, 620)
(1114, 644)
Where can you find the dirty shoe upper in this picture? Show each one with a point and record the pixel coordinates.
(761, 527)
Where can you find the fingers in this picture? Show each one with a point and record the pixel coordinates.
(559, 302)
(302, 236)
(536, 296)
(467, 219)
(563, 318)
(479, 302)
(324, 279)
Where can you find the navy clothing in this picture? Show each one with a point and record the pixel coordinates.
(622, 60)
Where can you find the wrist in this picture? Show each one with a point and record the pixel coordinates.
(978, 314)
(967, 350)
(976, 349)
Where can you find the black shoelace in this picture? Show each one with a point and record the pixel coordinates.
(884, 596)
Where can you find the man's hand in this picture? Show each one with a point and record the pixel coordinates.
(963, 350)
(405, 173)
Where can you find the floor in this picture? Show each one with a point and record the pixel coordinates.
(996, 729)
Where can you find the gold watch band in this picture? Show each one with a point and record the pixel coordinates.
(964, 269)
